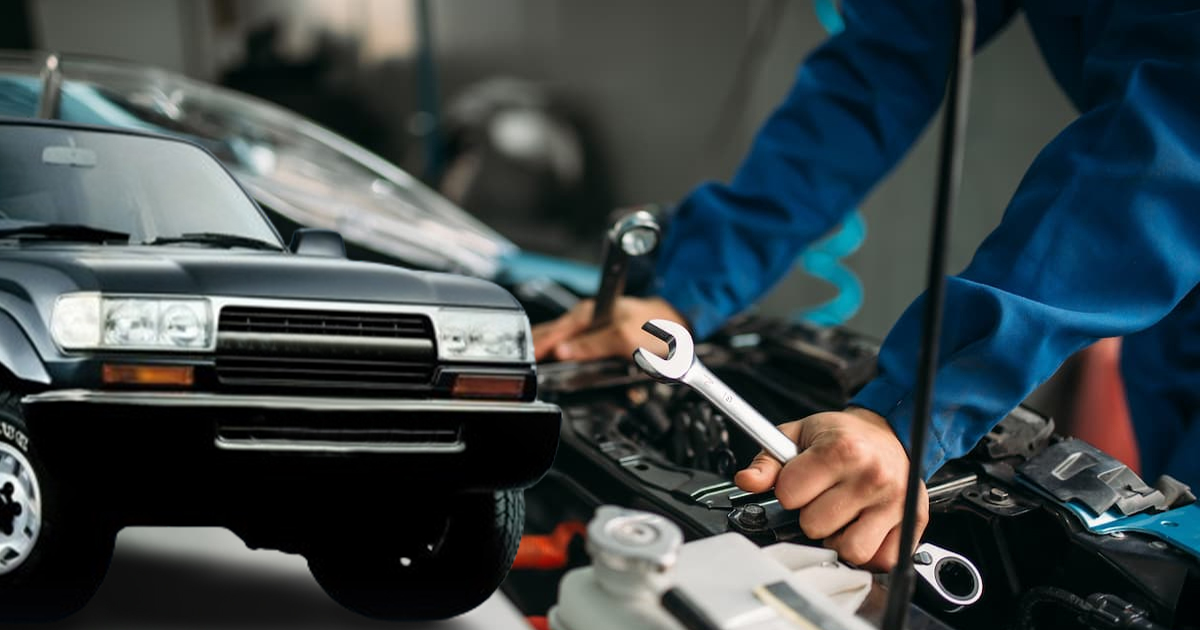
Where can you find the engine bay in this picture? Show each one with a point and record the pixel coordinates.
(1063, 535)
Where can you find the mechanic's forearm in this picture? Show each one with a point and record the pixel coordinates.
(1101, 240)
(858, 104)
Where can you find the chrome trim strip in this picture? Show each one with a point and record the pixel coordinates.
(314, 403)
(274, 341)
(220, 302)
(347, 448)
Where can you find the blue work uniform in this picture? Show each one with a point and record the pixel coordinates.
(1101, 239)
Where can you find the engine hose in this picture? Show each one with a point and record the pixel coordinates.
(1038, 596)
(548, 552)
(822, 260)
(1099, 610)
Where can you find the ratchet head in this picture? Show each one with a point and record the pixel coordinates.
(680, 352)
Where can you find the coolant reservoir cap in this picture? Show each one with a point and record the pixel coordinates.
(630, 540)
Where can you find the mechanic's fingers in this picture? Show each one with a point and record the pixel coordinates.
(888, 555)
(833, 510)
(862, 540)
(763, 471)
(548, 336)
(805, 478)
(889, 551)
(601, 344)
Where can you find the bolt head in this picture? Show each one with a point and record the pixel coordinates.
(1159, 545)
(753, 515)
(997, 495)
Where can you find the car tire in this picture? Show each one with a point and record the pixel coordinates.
(53, 553)
(472, 558)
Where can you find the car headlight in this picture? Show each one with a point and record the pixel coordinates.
(89, 321)
(481, 335)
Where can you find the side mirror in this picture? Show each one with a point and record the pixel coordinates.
(315, 242)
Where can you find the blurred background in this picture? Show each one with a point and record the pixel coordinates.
(540, 116)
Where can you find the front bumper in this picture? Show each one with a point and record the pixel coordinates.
(472, 445)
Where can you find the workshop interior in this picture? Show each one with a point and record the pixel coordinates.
(275, 269)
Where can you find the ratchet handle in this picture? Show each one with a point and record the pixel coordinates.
(612, 285)
(768, 436)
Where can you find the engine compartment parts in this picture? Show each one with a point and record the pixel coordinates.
(644, 577)
(550, 551)
(631, 441)
(681, 366)
(1073, 470)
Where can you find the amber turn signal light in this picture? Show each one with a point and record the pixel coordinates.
(488, 386)
(183, 376)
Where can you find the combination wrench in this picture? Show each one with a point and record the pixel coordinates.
(951, 576)
(681, 366)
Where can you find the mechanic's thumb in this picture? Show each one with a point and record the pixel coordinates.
(760, 475)
(763, 471)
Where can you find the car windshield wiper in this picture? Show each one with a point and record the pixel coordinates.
(62, 232)
(217, 239)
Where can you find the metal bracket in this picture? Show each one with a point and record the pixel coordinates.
(1073, 470)
(1179, 527)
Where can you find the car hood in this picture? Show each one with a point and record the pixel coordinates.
(309, 175)
(239, 273)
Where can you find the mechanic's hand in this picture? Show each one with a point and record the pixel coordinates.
(848, 483)
(566, 340)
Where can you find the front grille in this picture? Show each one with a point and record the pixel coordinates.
(324, 350)
(298, 322)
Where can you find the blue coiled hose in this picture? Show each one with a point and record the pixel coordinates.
(823, 259)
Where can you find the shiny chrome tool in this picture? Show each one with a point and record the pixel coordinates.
(682, 366)
(951, 576)
(634, 234)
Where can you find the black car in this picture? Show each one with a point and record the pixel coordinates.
(165, 359)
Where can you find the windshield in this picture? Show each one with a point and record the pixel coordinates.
(149, 188)
(306, 173)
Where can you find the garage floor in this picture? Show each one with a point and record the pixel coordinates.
(206, 578)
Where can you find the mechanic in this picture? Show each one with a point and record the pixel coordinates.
(1101, 239)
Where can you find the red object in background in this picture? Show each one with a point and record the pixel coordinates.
(539, 623)
(548, 552)
(1101, 415)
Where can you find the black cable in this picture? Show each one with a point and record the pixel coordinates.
(949, 178)
(1041, 595)
(1098, 611)
(427, 91)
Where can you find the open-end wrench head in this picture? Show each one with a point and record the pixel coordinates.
(681, 354)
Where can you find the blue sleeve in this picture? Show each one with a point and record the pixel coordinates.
(857, 105)
(1102, 239)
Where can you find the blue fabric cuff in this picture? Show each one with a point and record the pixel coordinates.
(894, 402)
